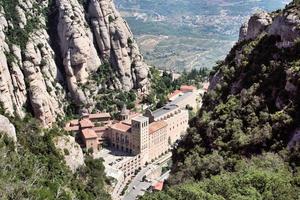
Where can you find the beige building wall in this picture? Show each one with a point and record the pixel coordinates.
(92, 143)
(158, 143)
(131, 165)
(177, 121)
(177, 125)
(122, 141)
(140, 134)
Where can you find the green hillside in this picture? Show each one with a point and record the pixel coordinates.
(241, 144)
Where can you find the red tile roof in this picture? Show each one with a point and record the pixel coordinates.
(122, 127)
(86, 123)
(158, 186)
(89, 134)
(133, 114)
(155, 126)
(99, 129)
(99, 115)
(187, 88)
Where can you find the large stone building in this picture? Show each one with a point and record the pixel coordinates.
(138, 136)
(91, 130)
(137, 139)
(176, 119)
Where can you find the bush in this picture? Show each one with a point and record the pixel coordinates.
(66, 152)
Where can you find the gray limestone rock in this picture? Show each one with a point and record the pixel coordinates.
(71, 151)
(257, 24)
(7, 128)
(41, 73)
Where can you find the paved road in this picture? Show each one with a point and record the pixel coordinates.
(138, 184)
(140, 187)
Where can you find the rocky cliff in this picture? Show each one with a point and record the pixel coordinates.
(71, 151)
(56, 52)
(281, 23)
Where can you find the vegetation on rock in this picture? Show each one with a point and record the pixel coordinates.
(163, 85)
(34, 168)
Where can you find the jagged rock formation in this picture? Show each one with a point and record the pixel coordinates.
(71, 151)
(284, 24)
(43, 65)
(7, 128)
(255, 26)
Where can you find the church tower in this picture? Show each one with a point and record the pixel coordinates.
(140, 133)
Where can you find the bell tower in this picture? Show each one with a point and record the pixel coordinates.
(140, 133)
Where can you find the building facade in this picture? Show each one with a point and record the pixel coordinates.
(139, 137)
(176, 119)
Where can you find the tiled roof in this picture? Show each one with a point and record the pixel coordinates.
(158, 186)
(185, 88)
(102, 128)
(121, 127)
(89, 134)
(86, 123)
(155, 126)
(99, 115)
(134, 114)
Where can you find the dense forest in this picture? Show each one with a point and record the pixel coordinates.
(240, 145)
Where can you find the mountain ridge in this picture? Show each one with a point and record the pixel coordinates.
(44, 69)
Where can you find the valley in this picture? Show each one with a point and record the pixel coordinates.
(185, 34)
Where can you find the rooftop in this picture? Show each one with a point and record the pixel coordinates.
(182, 97)
(100, 129)
(89, 134)
(155, 126)
(99, 115)
(140, 118)
(164, 110)
(74, 122)
(158, 186)
(122, 127)
(86, 123)
(185, 88)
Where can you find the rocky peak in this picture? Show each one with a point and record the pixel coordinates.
(45, 65)
(256, 25)
(281, 23)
